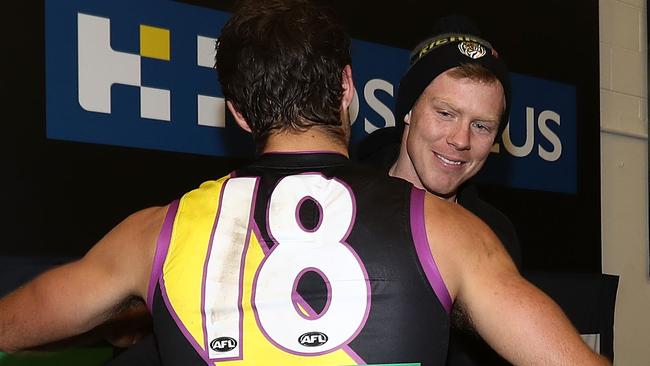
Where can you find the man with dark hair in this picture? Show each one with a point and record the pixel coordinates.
(300, 258)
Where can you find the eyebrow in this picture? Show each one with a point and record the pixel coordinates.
(445, 104)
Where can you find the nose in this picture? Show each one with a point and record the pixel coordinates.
(459, 137)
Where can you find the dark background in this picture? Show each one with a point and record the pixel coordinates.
(58, 198)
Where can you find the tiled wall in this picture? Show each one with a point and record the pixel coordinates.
(624, 172)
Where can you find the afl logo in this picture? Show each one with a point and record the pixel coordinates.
(223, 344)
(471, 49)
(313, 339)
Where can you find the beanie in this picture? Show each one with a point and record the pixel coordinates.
(445, 51)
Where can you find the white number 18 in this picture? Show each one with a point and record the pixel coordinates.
(298, 250)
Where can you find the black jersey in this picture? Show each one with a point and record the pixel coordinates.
(299, 259)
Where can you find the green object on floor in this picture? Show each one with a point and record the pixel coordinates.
(72, 357)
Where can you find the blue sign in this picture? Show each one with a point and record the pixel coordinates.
(140, 74)
(538, 149)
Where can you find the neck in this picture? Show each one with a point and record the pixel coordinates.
(407, 172)
(313, 139)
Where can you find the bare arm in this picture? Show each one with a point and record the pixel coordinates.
(519, 321)
(74, 298)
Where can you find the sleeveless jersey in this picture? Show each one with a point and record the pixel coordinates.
(298, 259)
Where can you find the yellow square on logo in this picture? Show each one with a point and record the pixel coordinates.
(154, 42)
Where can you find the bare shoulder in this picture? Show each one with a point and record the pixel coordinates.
(457, 230)
(460, 242)
(145, 222)
(138, 230)
(128, 249)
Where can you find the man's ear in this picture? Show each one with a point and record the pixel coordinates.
(407, 118)
(348, 87)
(241, 121)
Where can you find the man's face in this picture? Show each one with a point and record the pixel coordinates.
(451, 129)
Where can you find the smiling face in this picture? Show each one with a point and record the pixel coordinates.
(449, 133)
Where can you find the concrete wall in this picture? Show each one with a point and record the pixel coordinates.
(624, 172)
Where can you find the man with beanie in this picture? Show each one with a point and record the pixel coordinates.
(442, 149)
(452, 104)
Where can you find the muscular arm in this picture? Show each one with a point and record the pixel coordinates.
(519, 321)
(74, 298)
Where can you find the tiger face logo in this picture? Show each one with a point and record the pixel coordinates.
(472, 50)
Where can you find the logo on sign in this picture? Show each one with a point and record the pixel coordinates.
(95, 53)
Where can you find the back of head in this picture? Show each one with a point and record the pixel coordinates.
(280, 62)
(456, 45)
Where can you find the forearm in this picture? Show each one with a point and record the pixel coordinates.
(77, 297)
(48, 309)
(19, 320)
(127, 325)
(530, 329)
(24, 321)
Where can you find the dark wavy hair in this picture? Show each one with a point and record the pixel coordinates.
(281, 63)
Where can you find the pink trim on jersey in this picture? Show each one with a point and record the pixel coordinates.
(162, 246)
(181, 326)
(419, 232)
